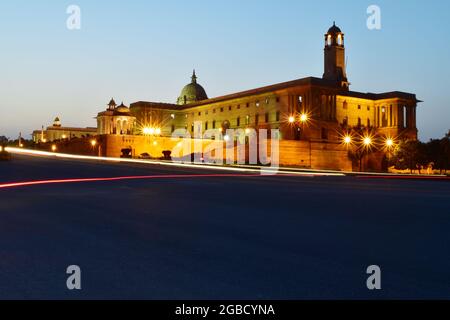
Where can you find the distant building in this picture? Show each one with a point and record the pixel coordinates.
(57, 132)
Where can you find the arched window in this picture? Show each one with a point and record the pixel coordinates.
(329, 40)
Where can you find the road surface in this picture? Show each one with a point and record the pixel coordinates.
(240, 237)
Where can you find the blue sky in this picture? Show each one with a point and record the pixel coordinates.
(146, 50)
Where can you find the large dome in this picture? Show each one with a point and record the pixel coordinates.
(191, 93)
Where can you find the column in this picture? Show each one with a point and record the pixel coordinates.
(400, 116)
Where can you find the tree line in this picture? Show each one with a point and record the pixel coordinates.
(416, 155)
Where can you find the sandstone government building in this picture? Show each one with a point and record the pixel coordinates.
(320, 120)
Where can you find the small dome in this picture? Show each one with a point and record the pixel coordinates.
(193, 92)
(57, 122)
(122, 110)
(334, 29)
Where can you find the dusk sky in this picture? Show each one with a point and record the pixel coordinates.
(146, 50)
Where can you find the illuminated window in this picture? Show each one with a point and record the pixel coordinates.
(247, 120)
(257, 104)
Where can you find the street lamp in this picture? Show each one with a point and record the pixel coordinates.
(367, 141)
(291, 119)
(303, 118)
(389, 143)
(93, 143)
(54, 148)
(347, 139)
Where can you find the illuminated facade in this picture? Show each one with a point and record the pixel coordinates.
(320, 120)
(57, 132)
(318, 109)
(116, 120)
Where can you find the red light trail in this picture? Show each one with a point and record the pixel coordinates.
(85, 180)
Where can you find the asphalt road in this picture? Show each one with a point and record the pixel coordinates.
(219, 237)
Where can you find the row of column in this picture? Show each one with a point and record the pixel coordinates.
(395, 116)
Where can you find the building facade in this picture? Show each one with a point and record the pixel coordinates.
(319, 120)
(57, 132)
(309, 109)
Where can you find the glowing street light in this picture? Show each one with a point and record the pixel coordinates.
(347, 139)
(148, 131)
(54, 148)
(389, 143)
(367, 141)
(291, 119)
(303, 117)
(93, 143)
(226, 138)
(158, 131)
(247, 131)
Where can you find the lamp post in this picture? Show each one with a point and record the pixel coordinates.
(389, 143)
(367, 143)
(94, 144)
(304, 120)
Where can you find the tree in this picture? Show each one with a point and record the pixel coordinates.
(3, 140)
(410, 154)
(444, 153)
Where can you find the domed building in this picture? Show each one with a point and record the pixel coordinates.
(116, 120)
(193, 92)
